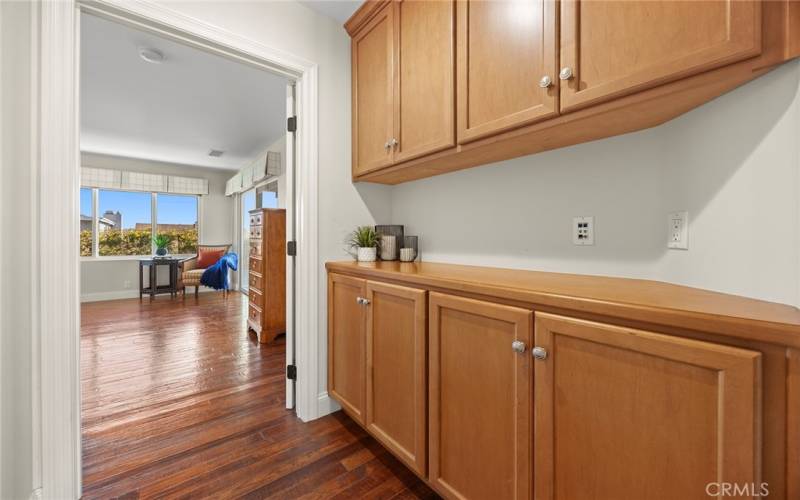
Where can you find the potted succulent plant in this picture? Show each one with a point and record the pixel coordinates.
(364, 240)
(161, 241)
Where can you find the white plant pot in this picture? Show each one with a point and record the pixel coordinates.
(367, 254)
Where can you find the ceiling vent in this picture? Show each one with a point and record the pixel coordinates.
(215, 153)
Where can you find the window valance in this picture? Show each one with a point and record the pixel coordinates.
(139, 181)
(268, 165)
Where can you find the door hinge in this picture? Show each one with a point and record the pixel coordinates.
(291, 124)
(291, 372)
(291, 248)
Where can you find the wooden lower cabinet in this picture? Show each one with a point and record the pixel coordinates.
(480, 399)
(346, 344)
(377, 344)
(623, 413)
(397, 385)
(489, 400)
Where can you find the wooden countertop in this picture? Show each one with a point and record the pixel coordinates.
(633, 299)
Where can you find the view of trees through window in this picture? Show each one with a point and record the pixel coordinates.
(125, 222)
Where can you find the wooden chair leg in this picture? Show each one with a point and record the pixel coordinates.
(196, 290)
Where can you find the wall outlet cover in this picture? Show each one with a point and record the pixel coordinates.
(583, 230)
(678, 230)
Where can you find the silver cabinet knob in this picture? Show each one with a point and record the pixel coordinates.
(394, 142)
(387, 145)
(539, 353)
(566, 73)
(362, 301)
(545, 82)
(518, 346)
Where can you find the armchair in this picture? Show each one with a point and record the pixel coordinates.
(189, 273)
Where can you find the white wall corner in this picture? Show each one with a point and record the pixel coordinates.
(326, 405)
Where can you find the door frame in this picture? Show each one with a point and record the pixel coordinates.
(56, 161)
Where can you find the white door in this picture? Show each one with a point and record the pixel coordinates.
(291, 227)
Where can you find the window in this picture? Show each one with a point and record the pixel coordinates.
(124, 223)
(121, 223)
(177, 218)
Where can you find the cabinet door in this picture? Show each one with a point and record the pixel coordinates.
(346, 344)
(396, 371)
(614, 48)
(505, 48)
(623, 413)
(480, 399)
(424, 112)
(373, 79)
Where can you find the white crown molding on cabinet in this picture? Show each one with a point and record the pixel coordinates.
(57, 438)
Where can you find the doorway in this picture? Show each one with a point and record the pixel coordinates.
(58, 167)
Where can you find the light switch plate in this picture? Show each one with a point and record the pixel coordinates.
(678, 230)
(583, 230)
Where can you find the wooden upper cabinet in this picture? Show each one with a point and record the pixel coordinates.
(614, 48)
(347, 344)
(397, 383)
(480, 399)
(373, 81)
(504, 48)
(623, 413)
(424, 107)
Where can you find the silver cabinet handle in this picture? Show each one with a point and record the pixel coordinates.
(539, 353)
(518, 346)
(566, 73)
(362, 301)
(394, 142)
(545, 82)
(387, 145)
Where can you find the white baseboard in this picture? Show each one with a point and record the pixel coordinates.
(326, 404)
(129, 294)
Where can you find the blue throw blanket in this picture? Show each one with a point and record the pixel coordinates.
(216, 276)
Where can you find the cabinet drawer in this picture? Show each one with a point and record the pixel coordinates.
(255, 264)
(254, 314)
(255, 297)
(256, 219)
(255, 281)
(255, 248)
(255, 232)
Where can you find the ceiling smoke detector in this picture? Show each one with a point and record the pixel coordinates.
(153, 56)
(215, 153)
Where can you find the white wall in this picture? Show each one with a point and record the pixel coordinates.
(733, 163)
(16, 249)
(106, 279)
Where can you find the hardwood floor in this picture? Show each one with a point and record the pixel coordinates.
(180, 402)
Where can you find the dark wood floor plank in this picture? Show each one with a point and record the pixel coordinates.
(180, 401)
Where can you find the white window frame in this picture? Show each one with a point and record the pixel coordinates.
(153, 224)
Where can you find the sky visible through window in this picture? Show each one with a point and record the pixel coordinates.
(135, 207)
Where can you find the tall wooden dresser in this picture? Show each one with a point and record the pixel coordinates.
(267, 270)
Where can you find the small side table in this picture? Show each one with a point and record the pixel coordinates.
(154, 289)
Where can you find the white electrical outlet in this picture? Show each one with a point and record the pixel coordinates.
(583, 230)
(127, 284)
(678, 230)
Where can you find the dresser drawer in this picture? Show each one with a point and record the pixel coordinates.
(254, 314)
(256, 219)
(255, 297)
(255, 282)
(255, 248)
(255, 232)
(255, 264)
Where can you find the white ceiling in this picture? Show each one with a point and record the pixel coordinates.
(176, 111)
(338, 10)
